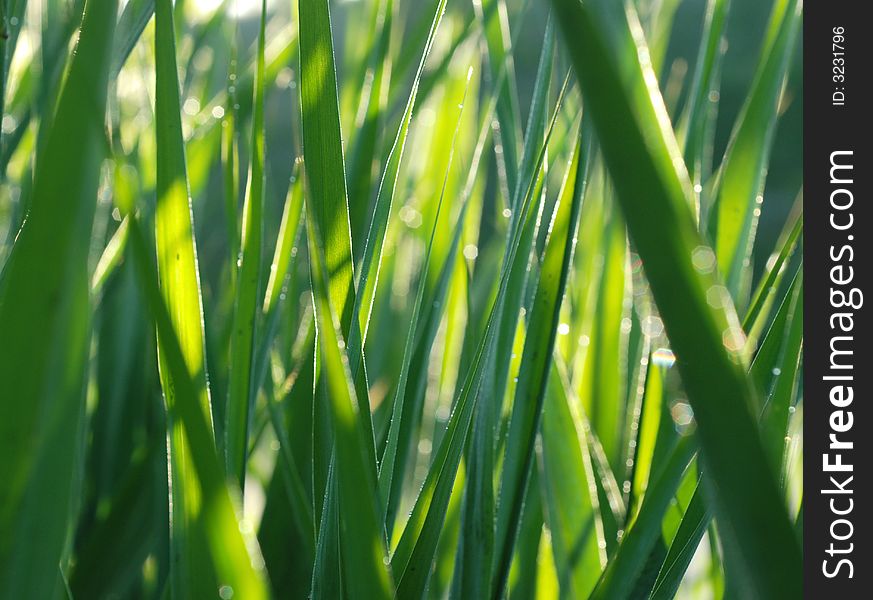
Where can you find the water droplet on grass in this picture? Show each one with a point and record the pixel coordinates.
(664, 357)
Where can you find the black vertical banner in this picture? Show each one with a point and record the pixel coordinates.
(838, 430)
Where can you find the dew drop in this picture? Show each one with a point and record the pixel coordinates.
(664, 357)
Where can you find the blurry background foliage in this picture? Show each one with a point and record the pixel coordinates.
(374, 298)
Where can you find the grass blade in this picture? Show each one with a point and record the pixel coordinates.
(242, 388)
(44, 324)
(635, 137)
(180, 285)
(365, 563)
(531, 389)
(233, 555)
(573, 511)
(618, 579)
(741, 177)
(387, 465)
(372, 253)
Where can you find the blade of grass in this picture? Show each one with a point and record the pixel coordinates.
(180, 285)
(572, 507)
(531, 390)
(495, 24)
(418, 370)
(132, 22)
(329, 208)
(387, 465)
(365, 562)
(698, 514)
(371, 114)
(373, 246)
(601, 391)
(777, 406)
(232, 549)
(414, 554)
(743, 171)
(609, 57)
(698, 119)
(44, 323)
(528, 169)
(242, 389)
(765, 293)
(618, 579)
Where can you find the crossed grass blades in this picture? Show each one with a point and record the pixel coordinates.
(373, 300)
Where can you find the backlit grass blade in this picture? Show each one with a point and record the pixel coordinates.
(531, 389)
(387, 464)
(132, 22)
(572, 509)
(601, 391)
(325, 173)
(414, 554)
(322, 146)
(741, 178)
(618, 579)
(776, 350)
(528, 169)
(633, 128)
(699, 118)
(246, 318)
(370, 116)
(365, 565)
(372, 252)
(232, 549)
(765, 293)
(778, 404)
(12, 20)
(415, 396)
(180, 286)
(495, 23)
(683, 547)
(44, 325)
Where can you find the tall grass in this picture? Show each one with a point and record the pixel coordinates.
(403, 299)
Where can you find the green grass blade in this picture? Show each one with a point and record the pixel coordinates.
(536, 360)
(325, 172)
(698, 118)
(633, 127)
(765, 293)
(414, 554)
(365, 563)
(691, 529)
(418, 371)
(528, 170)
(572, 508)
(246, 321)
(698, 514)
(778, 404)
(601, 391)
(387, 464)
(370, 116)
(618, 579)
(495, 24)
(233, 552)
(180, 285)
(742, 174)
(132, 22)
(372, 253)
(44, 324)
(322, 146)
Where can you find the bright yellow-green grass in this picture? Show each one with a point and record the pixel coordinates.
(399, 298)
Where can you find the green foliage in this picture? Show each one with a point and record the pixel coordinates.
(438, 300)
